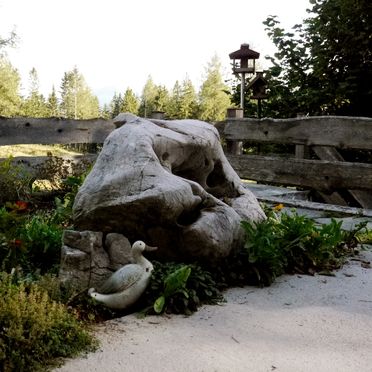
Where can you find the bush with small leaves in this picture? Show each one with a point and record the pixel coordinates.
(34, 330)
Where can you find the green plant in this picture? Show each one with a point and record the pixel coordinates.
(63, 207)
(179, 288)
(32, 242)
(365, 237)
(15, 181)
(293, 243)
(35, 330)
(174, 283)
(42, 240)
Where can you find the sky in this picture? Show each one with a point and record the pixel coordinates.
(118, 44)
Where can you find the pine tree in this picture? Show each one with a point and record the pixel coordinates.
(10, 100)
(34, 106)
(161, 100)
(189, 100)
(148, 98)
(115, 105)
(174, 106)
(106, 112)
(130, 102)
(77, 100)
(52, 104)
(213, 97)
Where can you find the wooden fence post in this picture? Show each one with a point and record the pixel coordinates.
(234, 147)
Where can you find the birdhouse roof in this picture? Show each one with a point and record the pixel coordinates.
(244, 52)
(258, 80)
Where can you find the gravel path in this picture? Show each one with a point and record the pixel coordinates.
(300, 323)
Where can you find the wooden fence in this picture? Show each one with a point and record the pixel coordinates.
(336, 180)
(329, 174)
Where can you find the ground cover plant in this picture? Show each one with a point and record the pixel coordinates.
(36, 330)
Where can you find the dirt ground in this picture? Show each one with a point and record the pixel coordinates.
(300, 323)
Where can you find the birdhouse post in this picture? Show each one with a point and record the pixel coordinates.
(246, 65)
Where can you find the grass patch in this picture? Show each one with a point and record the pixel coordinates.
(34, 150)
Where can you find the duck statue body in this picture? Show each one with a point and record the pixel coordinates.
(126, 285)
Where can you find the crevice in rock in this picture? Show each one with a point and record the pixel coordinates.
(216, 177)
(187, 218)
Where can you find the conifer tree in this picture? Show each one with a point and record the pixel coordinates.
(189, 100)
(52, 104)
(10, 100)
(161, 100)
(174, 106)
(77, 100)
(115, 105)
(213, 97)
(148, 98)
(130, 102)
(34, 105)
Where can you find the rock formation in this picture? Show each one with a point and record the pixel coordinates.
(169, 184)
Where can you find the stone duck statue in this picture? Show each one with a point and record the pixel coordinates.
(126, 285)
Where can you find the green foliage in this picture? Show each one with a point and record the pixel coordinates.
(292, 243)
(178, 288)
(34, 330)
(29, 242)
(213, 99)
(174, 283)
(77, 100)
(34, 105)
(130, 102)
(10, 99)
(15, 182)
(149, 93)
(329, 53)
(41, 241)
(52, 105)
(63, 206)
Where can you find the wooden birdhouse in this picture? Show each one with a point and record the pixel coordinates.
(258, 86)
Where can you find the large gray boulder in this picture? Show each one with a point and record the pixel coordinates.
(169, 184)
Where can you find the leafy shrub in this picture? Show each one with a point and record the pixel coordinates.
(63, 206)
(179, 288)
(32, 242)
(34, 330)
(15, 181)
(293, 243)
(42, 242)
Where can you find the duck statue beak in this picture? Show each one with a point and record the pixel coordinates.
(149, 248)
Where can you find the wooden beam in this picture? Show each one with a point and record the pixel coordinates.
(328, 208)
(53, 131)
(337, 131)
(364, 198)
(316, 174)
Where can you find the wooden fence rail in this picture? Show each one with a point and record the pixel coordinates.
(15, 131)
(337, 181)
(330, 175)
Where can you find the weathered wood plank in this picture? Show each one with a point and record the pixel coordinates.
(364, 198)
(337, 131)
(316, 174)
(329, 208)
(53, 130)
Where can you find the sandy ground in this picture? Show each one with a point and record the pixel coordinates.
(300, 323)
